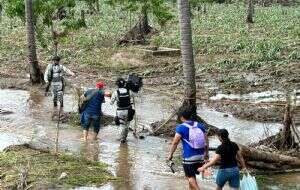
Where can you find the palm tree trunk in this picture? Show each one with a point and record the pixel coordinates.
(187, 56)
(250, 12)
(98, 6)
(34, 69)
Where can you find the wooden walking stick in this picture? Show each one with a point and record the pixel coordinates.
(57, 132)
(135, 121)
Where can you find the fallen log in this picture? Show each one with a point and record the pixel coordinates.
(268, 160)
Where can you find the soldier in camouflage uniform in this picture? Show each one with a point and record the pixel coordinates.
(54, 74)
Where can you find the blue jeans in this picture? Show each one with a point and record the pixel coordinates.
(232, 175)
(87, 120)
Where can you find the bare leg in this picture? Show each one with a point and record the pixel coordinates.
(232, 188)
(85, 135)
(219, 188)
(95, 136)
(193, 183)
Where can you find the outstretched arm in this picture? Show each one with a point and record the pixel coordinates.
(213, 161)
(68, 71)
(174, 145)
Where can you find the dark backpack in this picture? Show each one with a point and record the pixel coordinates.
(134, 83)
(124, 100)
(84, 104)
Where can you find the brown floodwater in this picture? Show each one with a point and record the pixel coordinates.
(140, 164)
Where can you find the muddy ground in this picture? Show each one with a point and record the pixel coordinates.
(162, 75)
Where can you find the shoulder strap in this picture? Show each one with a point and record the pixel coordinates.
(190, 126)
(51, 71)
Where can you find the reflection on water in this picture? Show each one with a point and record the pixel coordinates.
(90, 151)
(123, 168)
(140, 164)
(280, 182)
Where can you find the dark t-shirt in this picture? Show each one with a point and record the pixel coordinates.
(94, 105)
(228, 154)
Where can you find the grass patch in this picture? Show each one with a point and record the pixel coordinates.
(45, 169)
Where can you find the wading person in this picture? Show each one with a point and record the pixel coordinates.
(229, 155)
(122, 97)
(195, 146)
(91, 110)
(54, 76)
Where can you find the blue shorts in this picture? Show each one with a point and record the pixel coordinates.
(87, 120)
(232, 175)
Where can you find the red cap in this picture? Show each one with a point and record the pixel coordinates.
(100, 85)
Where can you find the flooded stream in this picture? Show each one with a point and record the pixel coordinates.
(140, 163)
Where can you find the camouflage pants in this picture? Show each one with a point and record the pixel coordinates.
(124, 124)
(58, 94)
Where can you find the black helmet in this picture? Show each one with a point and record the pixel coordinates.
(56, 58)
(121, 82)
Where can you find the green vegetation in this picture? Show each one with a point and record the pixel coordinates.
(224, 44)
(223, 35)
(45, 169)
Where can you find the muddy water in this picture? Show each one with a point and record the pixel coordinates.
(140, 163)
(255, 97)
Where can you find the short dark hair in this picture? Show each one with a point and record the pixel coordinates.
(56, 58)
(185, 113)
(121, 82)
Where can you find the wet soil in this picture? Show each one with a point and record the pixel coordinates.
(164, 74)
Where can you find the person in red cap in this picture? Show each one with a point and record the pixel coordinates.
(91, 111)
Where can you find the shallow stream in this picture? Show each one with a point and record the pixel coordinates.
(140, 163)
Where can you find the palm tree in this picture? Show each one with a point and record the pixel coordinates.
(187, 56)
(34, 69)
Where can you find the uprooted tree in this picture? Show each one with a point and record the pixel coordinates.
(139, 32)
(280, 151)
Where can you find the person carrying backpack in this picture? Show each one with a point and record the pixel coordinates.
(91, 111)
(229, 154)
(54, 76)
(124, 113)
(195, 146)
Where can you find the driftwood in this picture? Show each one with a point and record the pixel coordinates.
(267, 160)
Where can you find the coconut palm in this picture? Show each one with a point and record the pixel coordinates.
(34, 69)
(250, 11)
(187, 56)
